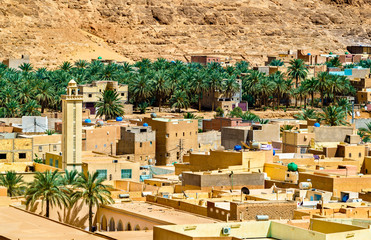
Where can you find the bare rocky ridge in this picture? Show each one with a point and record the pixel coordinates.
(52, 31)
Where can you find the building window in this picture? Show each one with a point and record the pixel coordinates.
(2, 155)
(54, 147)
(183, 134)
(176, 134)
(190, 133)
(105, 145)
(167, 135)
(51, 162)
(167, 155)
(140, 144)
(90, 95)
(22, 155)
(102, 173)
(350, 154)
(303, 150)
(150, 142)
(40, 148)
(56, 163)
(125, 173)
(96, 146)
(359, 154)
(128, 157)
(122, 94)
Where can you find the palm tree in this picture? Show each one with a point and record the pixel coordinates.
(44, 95)
(160, 86)
(92, 191)
(81, 64)
(199, 86)
(242, 67)
(306, 114)
(109, 105)
(310, 86)
(179, 100)
(47, 187)
(281, 85)
(26, 67)
(66, 66)
(214, 81)
(13, 183)
(230, 86)
(333, 116)
(345, 105)
(140, 88)
(70, 177)
(298, 71)
(31, 108)
(276, 62)
(265, 89)
(365, 133)
(322, 84)
(334, 62)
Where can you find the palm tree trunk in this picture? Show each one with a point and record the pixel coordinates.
(199, 103)
(322, 103)
(47, 208)
(278, 102)
(312, 99)
(305, 102)
(90, 217)
(296, 86)
(159, 104)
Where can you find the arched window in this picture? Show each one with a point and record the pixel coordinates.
(103, 223)
(112, 225)
(137, 228)
(128, 227)
(120, 226)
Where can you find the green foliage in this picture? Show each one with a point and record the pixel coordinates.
(333, 116)
(38, 159)
(49, 131)
(13, 182)
(306, 114)
(236, 112)
(179, 100)
(264, 121)
(276, 62)
(334, 62)
(249, 116)
(47, 187)
(143, 107)
(287, 128)
(365, 133)
(189, 115)
(219, 112)
(90, 189)
(109, 105)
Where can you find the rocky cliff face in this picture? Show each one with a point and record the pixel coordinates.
(52, 31)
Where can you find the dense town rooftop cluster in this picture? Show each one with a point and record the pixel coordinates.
(133, 151)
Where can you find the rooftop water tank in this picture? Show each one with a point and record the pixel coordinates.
(87, 120)
(292, 167)
(145, 124)
(317, 124)
(119, 119)
(153, 115)
(237, 148)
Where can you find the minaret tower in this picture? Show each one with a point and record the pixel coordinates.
(72, 128)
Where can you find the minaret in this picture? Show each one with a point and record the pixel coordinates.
(72, 128)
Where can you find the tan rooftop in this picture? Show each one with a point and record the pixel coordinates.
(163, 214)
(17, 224)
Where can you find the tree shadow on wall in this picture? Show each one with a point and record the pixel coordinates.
(73, 215)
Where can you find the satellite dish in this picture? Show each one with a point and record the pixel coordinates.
(245, 190)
